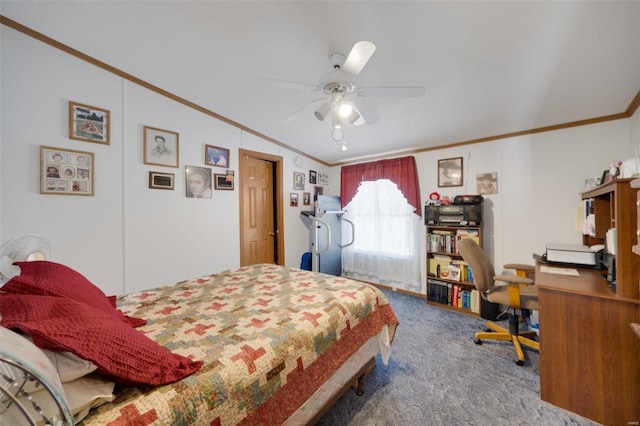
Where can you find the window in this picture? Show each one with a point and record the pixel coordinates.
(387, 233)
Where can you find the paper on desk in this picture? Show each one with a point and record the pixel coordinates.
(559, 271)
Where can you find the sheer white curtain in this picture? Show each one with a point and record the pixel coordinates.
(386, 249)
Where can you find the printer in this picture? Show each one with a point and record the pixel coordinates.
(573, 254)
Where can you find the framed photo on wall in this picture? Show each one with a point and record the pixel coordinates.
(161, 147)
(293, 199)
(89, 124)
(159, 180)
(487, 183)
(66, 172)
(198, 181)
(216, 156)
(313, 177)
(450, 172)
(323, 178)
(222, 181)
(306, 199)
(298, 181)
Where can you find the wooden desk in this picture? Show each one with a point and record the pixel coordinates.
(589, 356)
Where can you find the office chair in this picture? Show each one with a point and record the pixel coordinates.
(519, 295)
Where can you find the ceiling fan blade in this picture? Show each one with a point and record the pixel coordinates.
(358, 57)
(391, 91)
(356, 118)
(292, 84)
(297, 113)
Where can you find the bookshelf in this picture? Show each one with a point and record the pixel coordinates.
(613, 206)
(449, 278)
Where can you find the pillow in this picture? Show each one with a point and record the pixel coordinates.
(81, 394)
(122, 353)
(47, 278)
(17, 348)
(68, 366)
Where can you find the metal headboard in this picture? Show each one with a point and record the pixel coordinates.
(46, 406)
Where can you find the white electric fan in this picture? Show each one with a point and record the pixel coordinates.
(23, 248)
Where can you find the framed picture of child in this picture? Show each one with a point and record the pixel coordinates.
(88, 124)
(66, 172)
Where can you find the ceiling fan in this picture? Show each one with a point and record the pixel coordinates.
(340, 91)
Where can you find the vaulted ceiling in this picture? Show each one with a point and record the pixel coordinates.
(488, 68)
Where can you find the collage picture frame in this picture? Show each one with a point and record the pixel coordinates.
(66, 172)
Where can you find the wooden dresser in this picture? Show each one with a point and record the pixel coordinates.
(589, 354)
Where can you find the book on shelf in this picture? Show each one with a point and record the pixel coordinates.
(467, 233)
(475, 301)
(450, 272)
(437, 263)
(442, 241)
(439, 291)
(455, 295)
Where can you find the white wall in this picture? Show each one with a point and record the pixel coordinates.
(540, 178)
(127, 237)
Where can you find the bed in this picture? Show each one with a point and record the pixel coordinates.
(263, 344)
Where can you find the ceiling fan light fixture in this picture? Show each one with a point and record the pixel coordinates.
(341, 145)
(337, 134)
(353, 117)
(322, 112)
(345, 109)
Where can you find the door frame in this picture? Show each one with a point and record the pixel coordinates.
(278, 199)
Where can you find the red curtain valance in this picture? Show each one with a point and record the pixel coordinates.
(401, 171)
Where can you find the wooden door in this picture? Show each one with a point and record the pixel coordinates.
(260, 209)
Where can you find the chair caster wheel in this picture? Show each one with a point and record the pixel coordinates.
(477, 341)
(488, 330)
(520, 363)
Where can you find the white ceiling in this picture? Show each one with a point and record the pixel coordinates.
(489, 68)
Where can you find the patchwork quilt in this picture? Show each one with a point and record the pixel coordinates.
(269, 336)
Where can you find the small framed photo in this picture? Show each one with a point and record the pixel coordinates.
(323, 178)
(222, 181)
(66, 172)
(159, 180)
(487, 183)
(293, 199)
(313, 177)
(89, 124)
(298, 181)
(306, 199)
(161, 147)
(198, 181)
(450, 172)
(216, 156)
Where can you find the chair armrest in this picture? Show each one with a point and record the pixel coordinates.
(514, 282)
(513, 279)
(520, 267)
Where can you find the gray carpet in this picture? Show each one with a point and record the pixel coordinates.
(437, 375)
